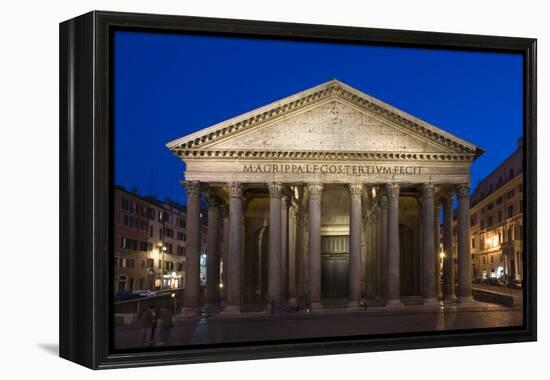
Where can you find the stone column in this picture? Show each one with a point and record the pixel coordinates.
(284, 246)
(213, 256)
(225, 274)
(355, 245)
(292, 293)
(315, 191)
(428, 249)
(437, 268)
(191, 294)
(464, 258)
(448, 265)
(274, 256)
(383, 249)
(233, 286)
(393, 245)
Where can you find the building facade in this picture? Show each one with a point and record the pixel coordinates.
(496, 222)
(329, 194)
(149, 243)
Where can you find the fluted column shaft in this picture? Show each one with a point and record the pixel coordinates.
(383, 249)
(233, 286)
(393, 245)
(292, 292)
(464, 258)
(315, 191)
(448, 265)
(284, 246)
(355, 245)
(213, 256)
(428, 249)
(437, 249)
(274, 259)
(191, 295)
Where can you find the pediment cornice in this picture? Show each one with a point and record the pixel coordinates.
(195, 144)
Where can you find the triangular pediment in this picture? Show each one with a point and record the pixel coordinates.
(332, 117)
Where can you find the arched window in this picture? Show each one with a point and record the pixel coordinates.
(122, 283)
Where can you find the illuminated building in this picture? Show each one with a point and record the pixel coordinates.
(496, 222)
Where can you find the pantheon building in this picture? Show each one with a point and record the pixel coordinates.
(328, 194)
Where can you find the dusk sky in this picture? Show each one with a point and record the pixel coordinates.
(167, 86)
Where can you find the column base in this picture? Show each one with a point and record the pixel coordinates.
(212, 307)
(354, 305)
(430, 301)
(466, 301)
(394, 302)
(190, 311)
(315, 306)
(449, 299)
(231, 310)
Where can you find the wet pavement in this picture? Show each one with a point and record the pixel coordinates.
(216, 328)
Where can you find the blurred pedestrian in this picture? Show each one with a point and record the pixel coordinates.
(148, 323)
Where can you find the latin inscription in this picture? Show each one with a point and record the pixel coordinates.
(331, 169)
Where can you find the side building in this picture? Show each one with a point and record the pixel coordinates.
(149, 243)
(496, 222)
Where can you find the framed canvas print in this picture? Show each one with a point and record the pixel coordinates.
(238, 189)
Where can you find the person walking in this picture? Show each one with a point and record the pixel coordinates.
(148, 322)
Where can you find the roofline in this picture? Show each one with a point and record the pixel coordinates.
(205, 131)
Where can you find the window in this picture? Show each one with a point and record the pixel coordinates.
(511, 173)
(169, 232)
(482, 224)
(160, 264)
(115, 263)
(490, 221)
(473, 220)
(510, 211)
(180, 236)
(169, 248)
(499, 216)
(510, 194)
(482, 243)
(180, 267)
(490, 207)
(509, 234)
(150, 263)
(499, 200)
(143, 246)
(484, 261)
(125, 204)
(180, 251)
(473, 243)
(491, 259)
(131, 263)
(122, 284)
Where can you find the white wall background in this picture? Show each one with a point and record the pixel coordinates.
(29, 190)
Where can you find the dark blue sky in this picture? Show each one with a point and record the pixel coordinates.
(167, 86)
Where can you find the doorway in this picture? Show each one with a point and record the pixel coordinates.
(335, 266)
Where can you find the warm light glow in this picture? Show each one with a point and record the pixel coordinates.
(173, 295)
(442, 254)
(373, 192)
(221, 284)
(174, 274)
(164, 248)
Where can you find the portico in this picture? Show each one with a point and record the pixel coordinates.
(330, 193)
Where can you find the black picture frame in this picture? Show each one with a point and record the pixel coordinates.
(86, 162)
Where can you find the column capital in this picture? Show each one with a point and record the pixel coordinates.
(275, 189)
(392, 190)
(463, 190)
(235, 190)
(192, 187)
(355, 189)
(447, 200)
(314, 189)
(428, 191)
